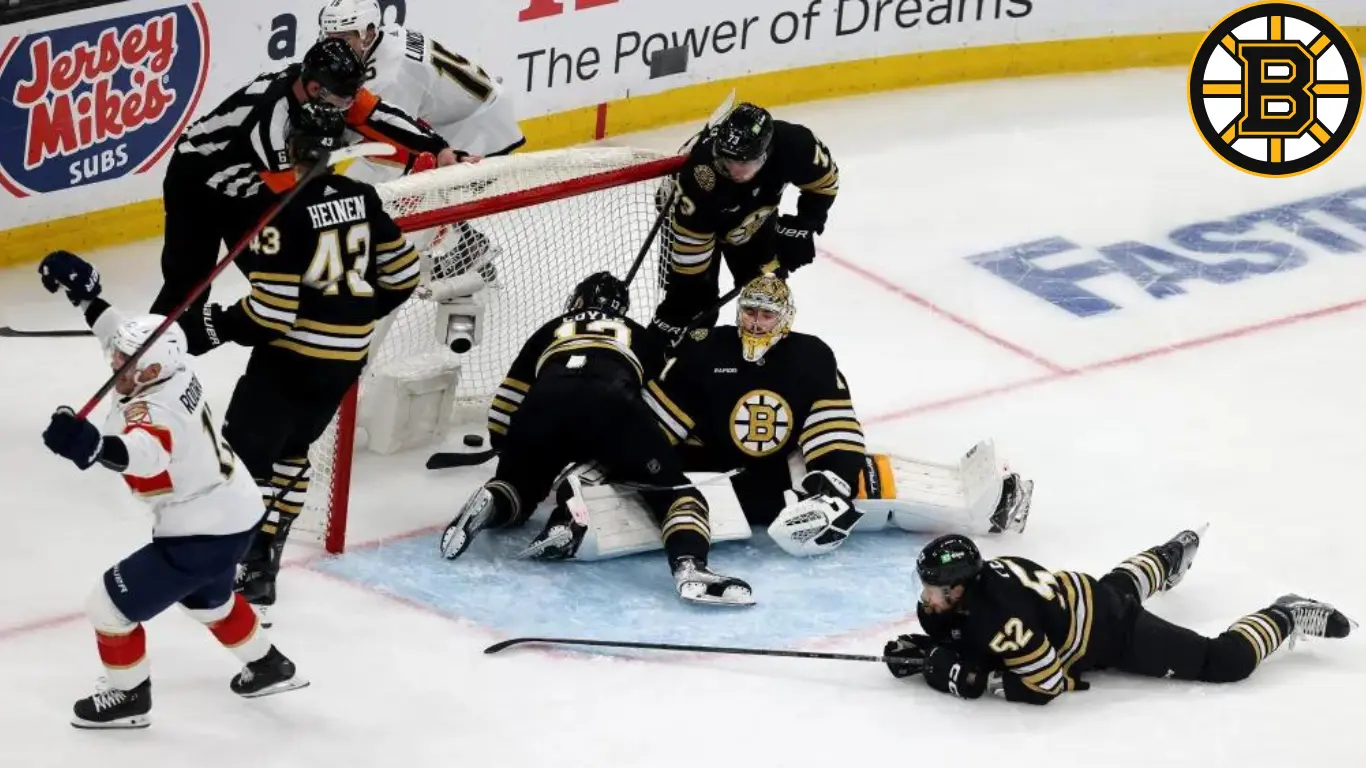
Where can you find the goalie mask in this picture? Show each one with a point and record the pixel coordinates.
(764, 314)
(167, 352)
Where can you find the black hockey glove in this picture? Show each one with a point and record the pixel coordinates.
(61, 269)
(906, 654)
(666, 334)
(796, 243)
(203, 330)
(947, 672)
(73, 438)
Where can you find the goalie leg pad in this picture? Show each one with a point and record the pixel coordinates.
(943, 498)
(616, 521)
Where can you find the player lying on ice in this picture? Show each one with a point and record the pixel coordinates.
(769, 407)
(161, 438)
(1010, 628)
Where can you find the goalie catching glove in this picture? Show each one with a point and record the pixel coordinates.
(818, 517)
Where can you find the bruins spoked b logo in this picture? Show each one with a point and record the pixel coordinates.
(1276, 89)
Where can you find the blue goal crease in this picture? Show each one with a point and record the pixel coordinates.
(869, 581)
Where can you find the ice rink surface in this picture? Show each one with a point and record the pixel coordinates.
(1186, 380)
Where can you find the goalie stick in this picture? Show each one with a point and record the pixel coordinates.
(504, 645)
(314, 172)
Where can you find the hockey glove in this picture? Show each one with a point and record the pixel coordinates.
(905, 656)
(203, 330)
(947, 672)
(796, 243)
(73, 438)
(818, 515)
(61, 269)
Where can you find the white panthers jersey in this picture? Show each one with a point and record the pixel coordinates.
(177, 462)
(454, 95)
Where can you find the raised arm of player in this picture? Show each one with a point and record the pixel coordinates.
(377, 120)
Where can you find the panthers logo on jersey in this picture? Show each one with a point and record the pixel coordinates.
(761, 422)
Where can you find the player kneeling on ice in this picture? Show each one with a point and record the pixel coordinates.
(161, 438)
(573, 394)
(1008, 627)
(769, 407)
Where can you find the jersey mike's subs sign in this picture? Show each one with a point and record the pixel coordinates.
(100, 100)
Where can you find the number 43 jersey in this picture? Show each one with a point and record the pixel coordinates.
(331, 265)
(589, 342)
(178, 463)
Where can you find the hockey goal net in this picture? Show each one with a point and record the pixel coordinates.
(503, 242)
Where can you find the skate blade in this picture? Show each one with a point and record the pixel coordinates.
(537, 550)
(284, 686)
(123, 723)
(726, 601)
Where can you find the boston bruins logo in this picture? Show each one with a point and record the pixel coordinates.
(761, 422)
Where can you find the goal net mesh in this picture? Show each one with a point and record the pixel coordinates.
(530, 226)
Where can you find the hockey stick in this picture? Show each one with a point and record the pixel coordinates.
(664, 209)
(14, 333)
(496, 647)
(443, 460)
(314, 171)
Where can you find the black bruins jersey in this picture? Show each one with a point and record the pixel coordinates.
(328, 267)
(711, 210)
(741, 413)
(1041, 629)
(588, 342)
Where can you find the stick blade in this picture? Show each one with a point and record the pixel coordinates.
(442, 460)
(505, 644)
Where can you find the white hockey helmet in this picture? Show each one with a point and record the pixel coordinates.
(340, 16)
(168, 350)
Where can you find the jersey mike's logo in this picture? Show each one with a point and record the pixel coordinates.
(1275, 89)
(98, 101)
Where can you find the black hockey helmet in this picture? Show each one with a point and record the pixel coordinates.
(743, 135)
(600, 290)
(335, 67)
(948, 561)
(316, 130)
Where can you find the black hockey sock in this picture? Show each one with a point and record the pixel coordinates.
(507, 505)
(1262, 632)
(1147, 571)
(685, 529)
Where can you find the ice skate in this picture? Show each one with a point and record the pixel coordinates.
(271, 674)
(1313, 618)
(559, 541)
(115, 708)
(467, 523)
(1179, 554)
(698, 584)
(1012, 513)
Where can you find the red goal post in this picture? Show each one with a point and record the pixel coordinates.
(529, 226)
